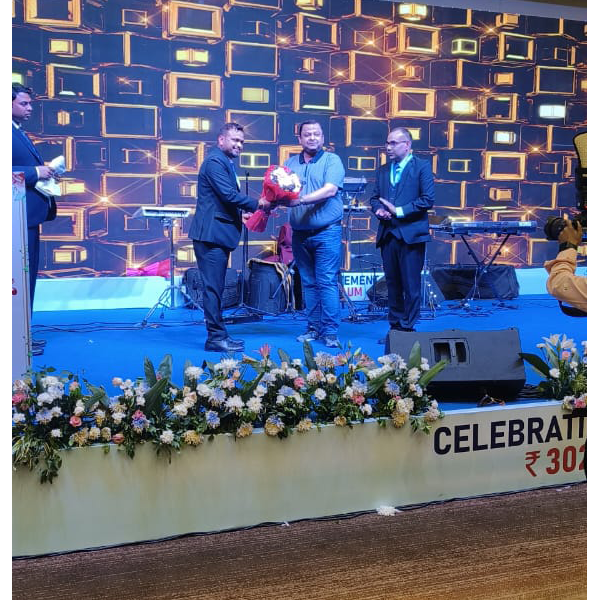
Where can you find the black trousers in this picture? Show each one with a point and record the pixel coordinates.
(212, 263)
(33, 257)
(402, 265)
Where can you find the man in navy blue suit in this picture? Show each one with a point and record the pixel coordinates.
(40, 208)
(403, 193)
(217, 227)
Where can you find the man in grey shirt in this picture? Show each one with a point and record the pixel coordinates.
(316, 221)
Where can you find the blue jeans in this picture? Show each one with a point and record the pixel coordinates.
(318, 257)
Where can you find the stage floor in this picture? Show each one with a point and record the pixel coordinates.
(102, 344)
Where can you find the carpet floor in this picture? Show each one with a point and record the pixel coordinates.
(522, 546)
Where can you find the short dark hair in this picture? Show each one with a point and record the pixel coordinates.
(17, 88)
(229, 126)
(310, 122)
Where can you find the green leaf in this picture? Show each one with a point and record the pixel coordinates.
(431, 373)
(414, 360)
(149, 372)
(98, 395)
(539, 366)
(284, 356)
(154, 397)
(309, 357)
(166, 366)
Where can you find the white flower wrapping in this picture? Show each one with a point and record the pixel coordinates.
(288, 182)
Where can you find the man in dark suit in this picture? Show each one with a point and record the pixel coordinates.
(404, 191)
(40, 208)
(217, 227)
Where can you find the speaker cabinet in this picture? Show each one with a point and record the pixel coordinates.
(479, 362)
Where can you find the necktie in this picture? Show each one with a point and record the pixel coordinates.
(396, 173)
(29, 143)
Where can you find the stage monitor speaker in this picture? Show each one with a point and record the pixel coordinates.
(194, 288)
(456, 281)
(479, 362)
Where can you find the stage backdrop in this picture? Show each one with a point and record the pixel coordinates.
(132, 93)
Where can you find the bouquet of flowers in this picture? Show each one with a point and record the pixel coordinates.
(564, 370)
(280, 185)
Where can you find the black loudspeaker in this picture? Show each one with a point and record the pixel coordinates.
(479, 362)
(270, 286)
(193, 286)
(456, 281)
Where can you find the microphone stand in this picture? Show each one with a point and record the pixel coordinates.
(244, 313)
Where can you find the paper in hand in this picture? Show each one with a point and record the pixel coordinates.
(50, 187)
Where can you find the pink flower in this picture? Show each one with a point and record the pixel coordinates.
(565, 355)
(265, 350)
(298, 382)
(580, 402)
(74, 385)
(19, 397)
(75, 421)
(118, 438)
(138, 414)
(358, 400)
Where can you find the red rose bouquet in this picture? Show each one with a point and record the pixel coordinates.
(280, 185)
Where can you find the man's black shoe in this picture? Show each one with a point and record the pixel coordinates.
(226, 345)
(40, 343)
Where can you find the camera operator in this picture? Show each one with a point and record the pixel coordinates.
(562, 283)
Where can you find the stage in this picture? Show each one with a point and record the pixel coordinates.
(102, 499)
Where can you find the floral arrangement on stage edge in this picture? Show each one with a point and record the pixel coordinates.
(52, 413)
(564, 368)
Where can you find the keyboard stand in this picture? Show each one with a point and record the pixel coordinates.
(482, 271)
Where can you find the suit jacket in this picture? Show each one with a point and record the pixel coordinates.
(25, 158)
(414, 193)
(218, 217)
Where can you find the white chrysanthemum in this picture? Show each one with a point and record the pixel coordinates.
(128, 393)
(554, 373)
(167, 436)
(315, 376)
(227, 364)
(117, 381)
(44, 398)
(402, 406)
(56, 433)
(18, 417)
(291, 373)
(203, 390)
(118, 417)
(189, 401)
(235, 403)
(44, 416)
(140, 401)
(254, 404)
(193, 372)
(79, 408)
(126, 384)
(56, 411)
(424, 364)
(280, 399)
(413, 375)
(297, 362)
(180, 409)
(320, 394)
(260, 391)
(324, 359)
(574, 364)
(94, 433)
(330, 378)
(366, 409)
(50, 380)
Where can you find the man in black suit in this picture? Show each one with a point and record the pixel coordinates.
(40, 208)
(217, 227)
(404, 191)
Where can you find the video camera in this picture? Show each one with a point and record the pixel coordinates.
(554, 225)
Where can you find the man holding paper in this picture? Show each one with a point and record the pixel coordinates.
(26, 158)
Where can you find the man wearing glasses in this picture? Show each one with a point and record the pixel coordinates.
(403, 193)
